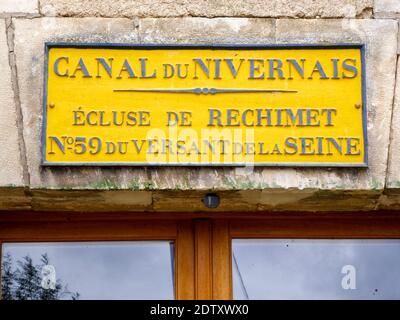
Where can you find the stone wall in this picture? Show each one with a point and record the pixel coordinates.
(26, 24)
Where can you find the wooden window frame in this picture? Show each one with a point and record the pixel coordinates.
(373, 225)
(101, 228)
(203, 241)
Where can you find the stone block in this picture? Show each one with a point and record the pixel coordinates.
(18, 6)
(387, 8)
(209, 8)
(11, 169)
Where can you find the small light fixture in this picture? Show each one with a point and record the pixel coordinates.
(211, 200)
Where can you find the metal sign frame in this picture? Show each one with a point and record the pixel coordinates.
(123, 46)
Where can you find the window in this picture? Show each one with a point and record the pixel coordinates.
(316, 269)
(209, 255)
(88, 270)
(100, 256)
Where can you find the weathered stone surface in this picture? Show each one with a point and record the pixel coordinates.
(90, 200)
(18, 6)
(191, 201)
(393, 178)
(387, 8)
(208, 8)
(319, 200)
(391, 198)
(11, 173)
(272, 200)
(202, 30)
(30, 36)
(14, 199)
(380, 78)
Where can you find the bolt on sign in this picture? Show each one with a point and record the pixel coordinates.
(107, 104)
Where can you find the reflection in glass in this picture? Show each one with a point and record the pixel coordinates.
(316, 269)
(88, 270)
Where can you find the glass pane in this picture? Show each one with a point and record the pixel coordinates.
(316, 269)
(88, 270)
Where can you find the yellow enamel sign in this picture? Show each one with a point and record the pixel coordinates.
(204, 105)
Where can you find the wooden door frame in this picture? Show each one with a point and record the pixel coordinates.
(203, 241)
